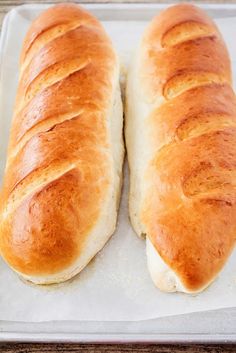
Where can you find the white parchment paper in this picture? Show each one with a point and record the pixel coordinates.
(115, 286)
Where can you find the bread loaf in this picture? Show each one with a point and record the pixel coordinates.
(63, 175)
(181, 142)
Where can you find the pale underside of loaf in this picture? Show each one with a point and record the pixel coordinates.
(64, 168)
(181, 138)
(139, 153)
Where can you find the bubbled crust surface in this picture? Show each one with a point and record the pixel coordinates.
(189, 202)
(59, 166)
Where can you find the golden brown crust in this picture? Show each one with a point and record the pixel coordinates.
(56, 21)
(191, 60)
(84, 96)
(200, 109)
(46, 232)
(59, 160)
(189, 207)
(171, 23)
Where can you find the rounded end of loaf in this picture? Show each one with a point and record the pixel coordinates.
(194, 242)
(54, 233)
(52, 23)
(178, 23)
(182, 48)
(164, 277)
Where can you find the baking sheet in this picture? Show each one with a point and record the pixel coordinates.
(111, 288)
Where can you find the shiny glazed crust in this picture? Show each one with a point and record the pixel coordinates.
(183, 175)
(62, 180)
